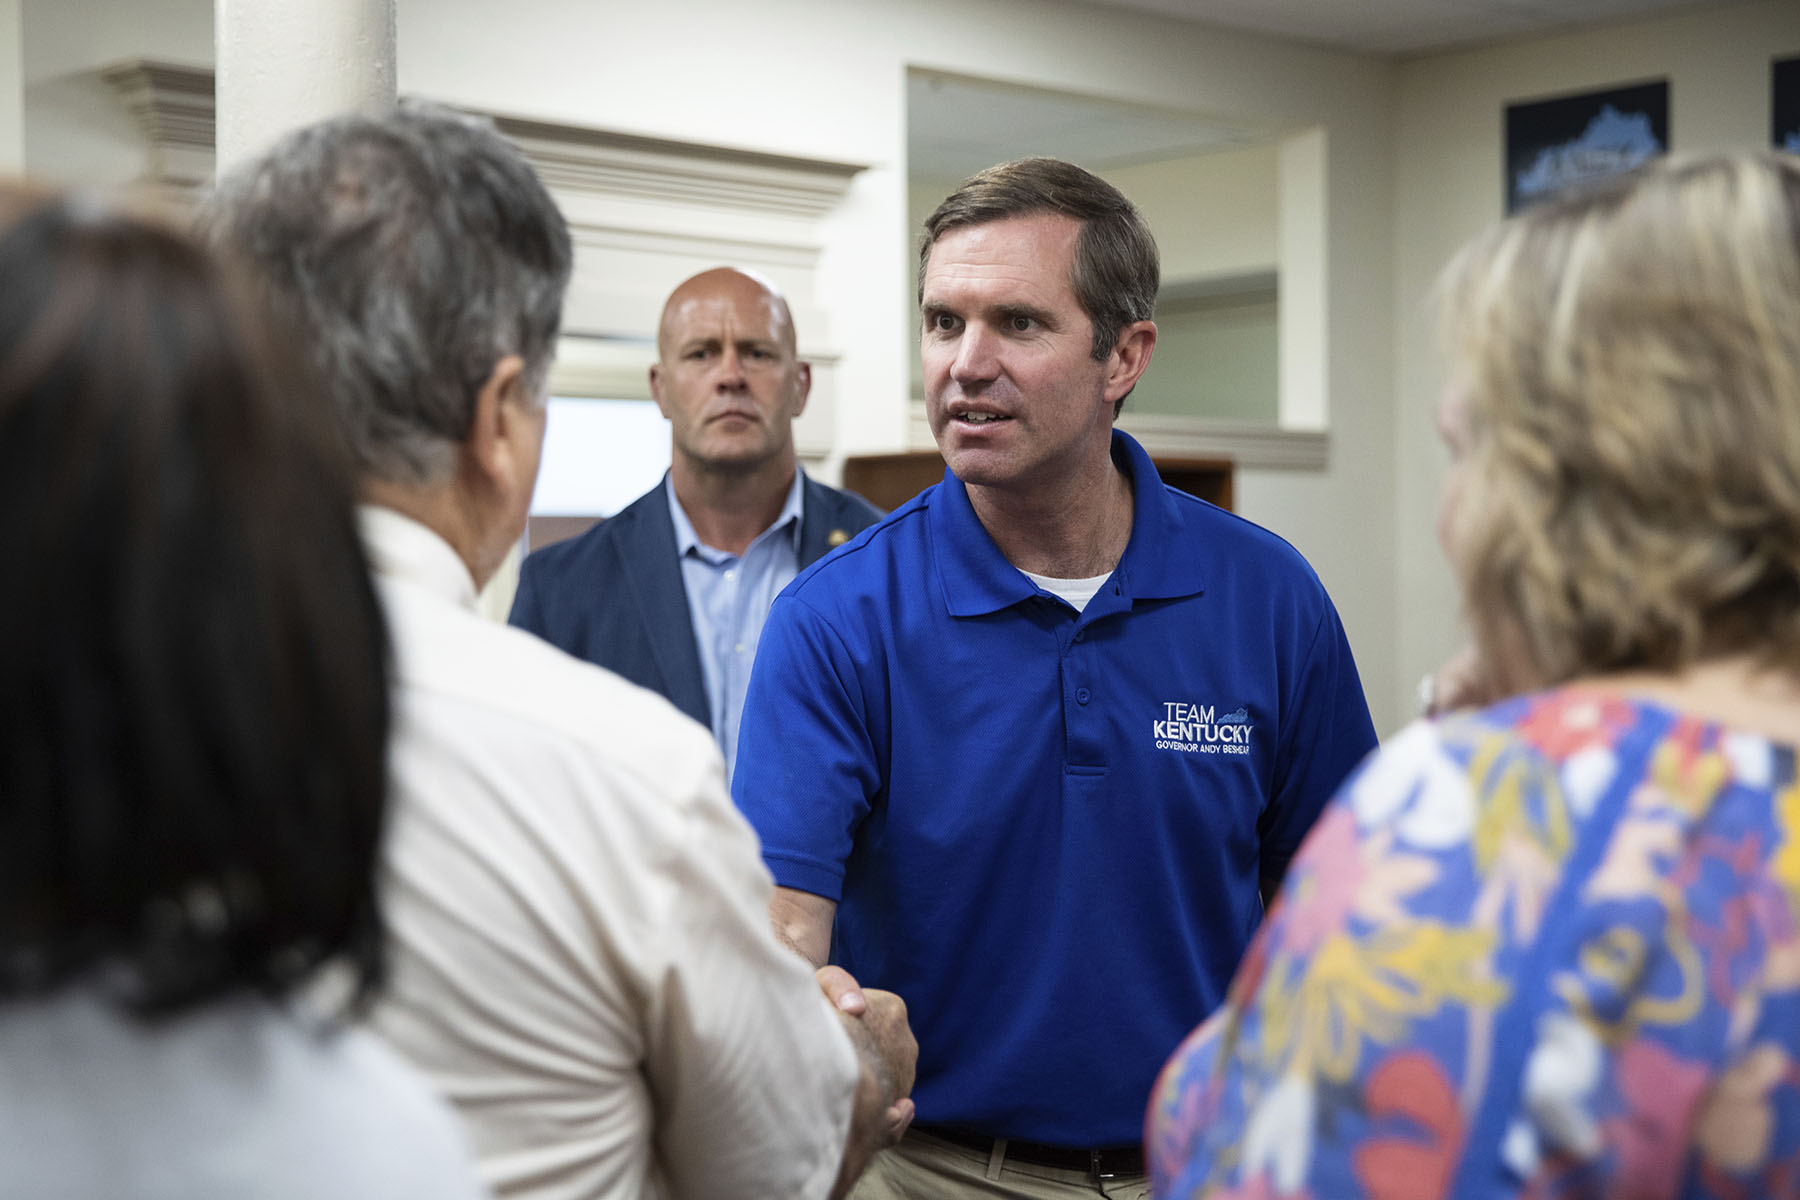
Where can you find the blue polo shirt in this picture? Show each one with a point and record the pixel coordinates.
(1045, 829)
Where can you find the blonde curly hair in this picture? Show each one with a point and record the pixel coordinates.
(1630, 362)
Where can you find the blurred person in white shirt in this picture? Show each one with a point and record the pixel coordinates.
(583, 960)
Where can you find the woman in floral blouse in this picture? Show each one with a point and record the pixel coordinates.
(1552, 948)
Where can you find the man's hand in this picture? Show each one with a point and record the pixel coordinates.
(890, 1033)
(898, 1051)
(886, 1051)
(888, 1056)
(1462, 682)
(841, 988)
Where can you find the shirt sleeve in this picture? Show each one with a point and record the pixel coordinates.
(585, 965)
(752, 1073)
(1325, 733)
(810, 758)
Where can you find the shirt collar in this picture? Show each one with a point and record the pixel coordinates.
(788, 520)
(408, 551)
(1161, 560)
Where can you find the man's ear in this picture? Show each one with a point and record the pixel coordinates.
(501, 409)
(656, 389)
(802, 387)
(1130, 355)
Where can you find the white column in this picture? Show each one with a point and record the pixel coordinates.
(285, 63)
(1303, 369)
(12, 87)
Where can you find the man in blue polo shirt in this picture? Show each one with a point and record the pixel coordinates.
(1031, 752)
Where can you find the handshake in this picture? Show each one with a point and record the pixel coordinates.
(888, 1056)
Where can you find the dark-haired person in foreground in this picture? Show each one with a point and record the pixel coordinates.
(1551, 947)
(193, 709)
(1042, 740)
(583, 959)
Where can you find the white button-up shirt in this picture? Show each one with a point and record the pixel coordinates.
(583, 959)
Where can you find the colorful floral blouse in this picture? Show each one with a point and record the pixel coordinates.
(1550, 949)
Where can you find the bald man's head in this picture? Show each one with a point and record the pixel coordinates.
(728, 376)
(727, 285)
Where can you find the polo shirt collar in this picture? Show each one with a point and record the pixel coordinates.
(1160, 560)
(1163, 560)
(788, 520)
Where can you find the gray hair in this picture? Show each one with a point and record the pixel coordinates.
(412, 251)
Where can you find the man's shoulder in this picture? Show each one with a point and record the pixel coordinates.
(865, 563)
(844, 507)
(1222, 536)
(593, 548)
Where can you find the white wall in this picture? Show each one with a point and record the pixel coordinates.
(65, 36)
(1448, 145)
(12, 88)
(1214, 358)
(1212, 214)
(76, 131)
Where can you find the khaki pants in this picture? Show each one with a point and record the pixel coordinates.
(923, 1167)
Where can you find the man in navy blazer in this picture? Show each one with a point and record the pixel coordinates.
(671, 593)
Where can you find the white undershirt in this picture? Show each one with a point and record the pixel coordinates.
(1077, 592)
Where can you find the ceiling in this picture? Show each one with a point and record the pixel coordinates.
(957, 125)
(1401, 26)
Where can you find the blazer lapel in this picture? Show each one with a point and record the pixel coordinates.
(648, 561)
(820, 518)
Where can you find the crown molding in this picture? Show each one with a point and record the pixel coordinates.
(635, 205)
(173, 107)
(585, 159)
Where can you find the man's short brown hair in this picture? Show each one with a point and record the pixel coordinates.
(1116, 271)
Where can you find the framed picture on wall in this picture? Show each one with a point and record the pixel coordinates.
(1784, 104)
(1563, 140)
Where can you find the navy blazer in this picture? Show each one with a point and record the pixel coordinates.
(614, 595)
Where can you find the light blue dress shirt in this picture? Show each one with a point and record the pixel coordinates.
(728, 601)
